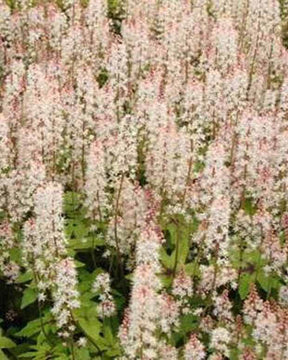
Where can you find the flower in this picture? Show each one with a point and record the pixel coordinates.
(194, 349)
(65, 293)
(106, 307)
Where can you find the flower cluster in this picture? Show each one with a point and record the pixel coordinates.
(65, 295)
(44, 250)
(101, 285)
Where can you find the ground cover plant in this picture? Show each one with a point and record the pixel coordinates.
(143, 179)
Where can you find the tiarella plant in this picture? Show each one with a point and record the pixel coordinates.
(144, 179)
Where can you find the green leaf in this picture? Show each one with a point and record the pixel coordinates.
(39, 352)
(82, 354)
(107, 329)
(244, 285)
(172, 228)
(114, 352)
(16, 255)
(192, 269)
(23, 278)
(179, 237)
(79, 264)
(28, 355)
(234, 354)
(166, 280)
(3, 356)
(268, 282)
(76, 228)
(90, 327)
(249, 207)
(87, 317)
(188, 323)
(29, 297)
(255, 257)
(32, 328)
(183, 251)
(166, 259)
(71, 202)
(6, 343)
(85, 244)
(87, 320)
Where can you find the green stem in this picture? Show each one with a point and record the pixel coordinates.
(119, 262)
(72, 350)
(42, 324)
(92, 251)
(177, 249)
(241, 251)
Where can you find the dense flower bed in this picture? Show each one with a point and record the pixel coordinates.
(143, 180)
